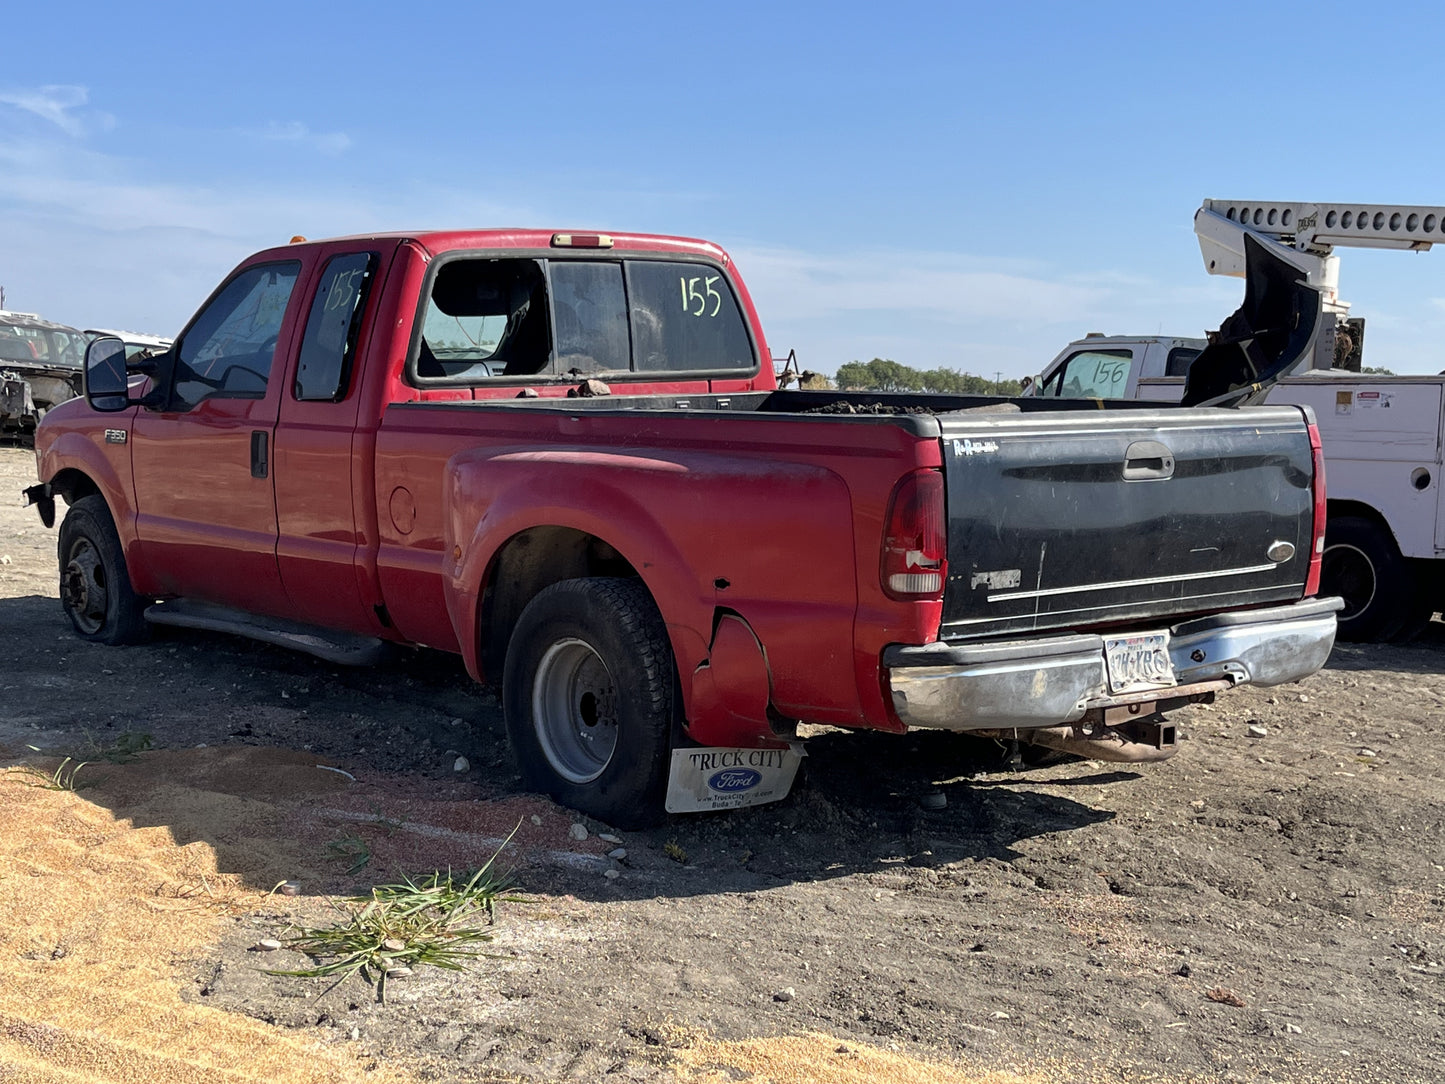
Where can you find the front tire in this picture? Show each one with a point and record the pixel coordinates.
(95, 590)
(587, 693)
(1363, 566)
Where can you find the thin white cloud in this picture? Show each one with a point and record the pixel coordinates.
(89, 238)
(296, 132)
(59, 103)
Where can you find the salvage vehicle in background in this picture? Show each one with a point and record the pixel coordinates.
(564, 457)
(136, 342)
(1384, 435)
(40, 367)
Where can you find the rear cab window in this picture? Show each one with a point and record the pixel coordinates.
(521, 320)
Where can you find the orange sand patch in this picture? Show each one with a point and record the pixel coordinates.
(822, 1059)
(97, 913)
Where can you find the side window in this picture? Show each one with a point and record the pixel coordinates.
(590, 310)
(485, 318)
(324, 369)
(1178, 361)
(1095, 374)
(227, 352)
(685, 318)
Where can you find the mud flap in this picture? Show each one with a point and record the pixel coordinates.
(706, 778)
(44, 501)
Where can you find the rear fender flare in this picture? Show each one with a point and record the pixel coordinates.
(489, 500)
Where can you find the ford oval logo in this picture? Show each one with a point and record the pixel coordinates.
(734, 779)
(1280, 551)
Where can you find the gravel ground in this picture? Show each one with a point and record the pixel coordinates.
(1268, 905)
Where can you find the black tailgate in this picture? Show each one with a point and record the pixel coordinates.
(1079, 519)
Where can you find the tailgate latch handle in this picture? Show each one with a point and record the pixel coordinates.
(1148, 461)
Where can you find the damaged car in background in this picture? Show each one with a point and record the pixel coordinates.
(137, 343)
(40, 367)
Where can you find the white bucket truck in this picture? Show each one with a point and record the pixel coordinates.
(1384, 436)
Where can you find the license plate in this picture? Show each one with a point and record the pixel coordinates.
(1138, 662)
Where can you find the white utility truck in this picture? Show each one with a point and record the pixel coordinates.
(1384, 436)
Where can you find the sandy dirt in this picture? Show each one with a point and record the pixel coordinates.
(1259, 908)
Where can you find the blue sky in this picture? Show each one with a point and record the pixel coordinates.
(969, 185)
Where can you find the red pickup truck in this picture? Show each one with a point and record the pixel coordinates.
(565, 457)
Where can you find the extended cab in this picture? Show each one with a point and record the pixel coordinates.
(564, 457)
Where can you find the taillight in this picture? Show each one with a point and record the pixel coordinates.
(913, 565)
(1317, 540)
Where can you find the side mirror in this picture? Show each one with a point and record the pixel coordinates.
(107, 376)
(106, 385)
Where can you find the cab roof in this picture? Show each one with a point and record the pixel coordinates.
(511, 237)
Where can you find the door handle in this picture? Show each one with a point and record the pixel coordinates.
(260, 459)
(1148, 460)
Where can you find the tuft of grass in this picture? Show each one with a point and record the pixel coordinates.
(353, 850)
(63, 778)
(673, 849)
(127, 746)
(435, 920)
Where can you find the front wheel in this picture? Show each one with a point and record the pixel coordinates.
(587, 693)
(95, 589)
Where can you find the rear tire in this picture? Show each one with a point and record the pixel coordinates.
(1363, 566)
(587, 694)
(95, 590)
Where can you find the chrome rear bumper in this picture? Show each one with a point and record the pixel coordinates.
(1053, 680)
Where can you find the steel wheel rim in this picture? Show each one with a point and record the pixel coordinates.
(82, 586)
(574, 711)
(1347, 571)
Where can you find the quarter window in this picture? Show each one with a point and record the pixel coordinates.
(324, 369)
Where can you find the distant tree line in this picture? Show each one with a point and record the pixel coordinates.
(884, 374)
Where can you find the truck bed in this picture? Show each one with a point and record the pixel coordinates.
(1105, 512)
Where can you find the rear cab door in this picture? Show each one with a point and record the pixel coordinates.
(322, 480)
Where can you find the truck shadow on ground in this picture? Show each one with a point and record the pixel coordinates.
(1421, 655)
(398, 727)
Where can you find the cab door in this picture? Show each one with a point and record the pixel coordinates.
(323, 481)
(205, 498)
